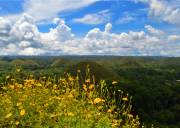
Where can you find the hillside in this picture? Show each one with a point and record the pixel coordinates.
(99, 71)
(153, 82)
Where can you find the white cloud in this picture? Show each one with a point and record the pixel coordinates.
(58, 21)
(174, 38)
(154, 31)
(163, 10)
(31, 51)
(46, 10)
(24, 27)
(24, 38)
(61, 33)
(94, 18)
(12, 17)
(24, 44)
(126, 19)
(5, 25)
(108, 28)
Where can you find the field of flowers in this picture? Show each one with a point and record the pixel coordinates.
(64, 102)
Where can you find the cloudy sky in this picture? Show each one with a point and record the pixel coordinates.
(90, 27)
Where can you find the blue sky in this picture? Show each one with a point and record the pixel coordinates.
(134, 27)
(117, 8)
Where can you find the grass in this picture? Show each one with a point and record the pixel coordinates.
(64, 102)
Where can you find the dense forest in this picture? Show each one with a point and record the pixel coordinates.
(152, 82)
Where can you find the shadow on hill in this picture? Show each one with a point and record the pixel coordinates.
(99, 71)
(61, 62)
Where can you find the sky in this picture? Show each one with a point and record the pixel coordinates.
(90, 27)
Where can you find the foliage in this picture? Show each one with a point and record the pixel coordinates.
(63, 102)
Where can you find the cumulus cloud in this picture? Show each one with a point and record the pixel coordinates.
(5, 27)
(94, 18)
(163, 10)
(174, 38)
(24, 27)
(108, 27)
(24, 38)
(31, 51)
(154, 31)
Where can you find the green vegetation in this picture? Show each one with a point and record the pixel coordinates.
(153, 82)
(63, 102)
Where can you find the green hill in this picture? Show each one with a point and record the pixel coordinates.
(99, 71)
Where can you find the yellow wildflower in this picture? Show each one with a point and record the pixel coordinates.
(46, 105)
(98, 100)
(114, 82)
(8, 115)
(84, 87)
(12, 79)
(130, 115)
(89, 115)
(19, 85)
(109, 110)
(18, 70)
(71, 78)
(88, 81)
(7, 77)
(125, 99)
(115, 123)
(17, 122)
(11, 86)
(98, 114)
(58, 98)
(22, 112)
(91, 86)
(18, 104)
(39, 84)
(53, 115)
(55, 86)
(32, 104)
(100, 107)
(4, 88)
(70, 114)
(70, 96)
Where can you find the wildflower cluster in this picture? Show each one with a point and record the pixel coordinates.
(64, 102)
